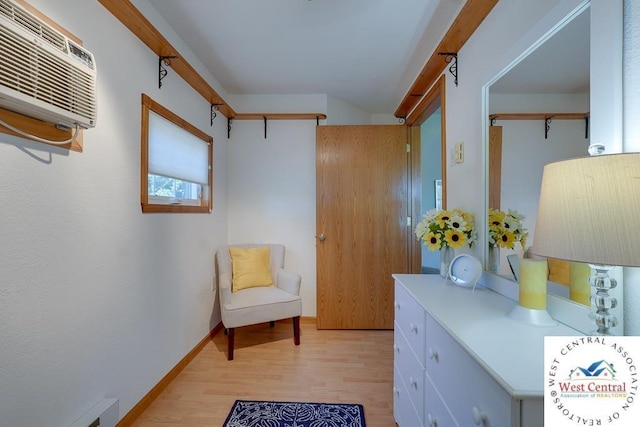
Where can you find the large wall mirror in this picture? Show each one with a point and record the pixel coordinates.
(538, 114)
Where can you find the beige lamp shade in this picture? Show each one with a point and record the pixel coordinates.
(589, 210)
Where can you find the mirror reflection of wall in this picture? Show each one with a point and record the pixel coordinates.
(552, 79)
(431, 171)
(525, 150)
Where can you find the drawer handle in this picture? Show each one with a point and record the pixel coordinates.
(396, 348)
(414, 328)
(433, 355)
(396, 304)
(413, 383)
(433, 421)
(479, 416)
(396, 391)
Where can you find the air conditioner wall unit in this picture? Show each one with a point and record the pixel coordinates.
(44, 74)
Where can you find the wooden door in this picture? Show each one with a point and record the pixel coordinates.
(361, 223)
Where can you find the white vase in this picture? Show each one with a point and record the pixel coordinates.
(493, 260)
(446, 256)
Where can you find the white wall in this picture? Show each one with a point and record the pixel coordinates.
(97, 299)
(341, 113)
(272, 193)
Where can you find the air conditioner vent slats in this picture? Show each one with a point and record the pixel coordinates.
(30, 23)
(39, 80)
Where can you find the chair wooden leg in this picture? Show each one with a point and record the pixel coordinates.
(296, 330)
(230, 337)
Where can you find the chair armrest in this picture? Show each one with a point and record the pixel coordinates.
(224, 283)
(288, 282)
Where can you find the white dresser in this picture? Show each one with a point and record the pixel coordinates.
(460, 361)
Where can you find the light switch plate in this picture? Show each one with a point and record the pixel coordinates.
(459, 152)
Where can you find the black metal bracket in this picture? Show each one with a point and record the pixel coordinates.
(214, 109)
(547, 126)
(451, 58)
(493, 121)
(162, 72)
(586, 127)
(265, 126)
(229, 120)
(317, 120)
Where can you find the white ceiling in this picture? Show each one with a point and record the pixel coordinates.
(360, 51)
(367, 53)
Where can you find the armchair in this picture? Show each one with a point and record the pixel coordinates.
(258, 304)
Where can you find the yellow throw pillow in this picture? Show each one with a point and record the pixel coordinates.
(251, 267)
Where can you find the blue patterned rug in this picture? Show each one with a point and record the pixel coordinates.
(247, 413)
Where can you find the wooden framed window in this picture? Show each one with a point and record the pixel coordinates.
(175, 163)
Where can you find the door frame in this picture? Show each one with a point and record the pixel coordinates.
(434, 98)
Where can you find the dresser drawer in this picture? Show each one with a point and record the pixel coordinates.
(468, 389)
(411, 371)
(436, 413)
(403, 411)
(410, 318)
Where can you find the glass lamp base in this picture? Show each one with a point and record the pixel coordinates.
(601, 301)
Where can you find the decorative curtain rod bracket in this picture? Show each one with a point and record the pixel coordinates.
(229, 120)
(162, 72)
(451, 58)
(214, 109)
(547, 126)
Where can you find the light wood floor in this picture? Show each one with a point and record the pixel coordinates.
(331, 366)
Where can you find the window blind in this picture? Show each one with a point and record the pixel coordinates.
(176, 153)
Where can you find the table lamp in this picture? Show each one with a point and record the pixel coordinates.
(589, 212)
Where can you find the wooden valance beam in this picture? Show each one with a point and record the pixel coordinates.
(140, 26)
(135, 21)
(538, 116)
(467, 21)
(279, 116)
(546, 117)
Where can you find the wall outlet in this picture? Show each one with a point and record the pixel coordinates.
(459, 152)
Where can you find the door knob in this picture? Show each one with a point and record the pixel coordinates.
(321, 237)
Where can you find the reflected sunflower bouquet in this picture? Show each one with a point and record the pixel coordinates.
(440, 229)
(505, 229)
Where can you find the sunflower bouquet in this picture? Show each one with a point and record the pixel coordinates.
(440, 229)
(505, 229)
